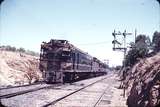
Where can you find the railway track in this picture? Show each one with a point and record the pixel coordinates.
(16, 93)
(100, 98)
(26, 85)
(63, 97)
(51, 95)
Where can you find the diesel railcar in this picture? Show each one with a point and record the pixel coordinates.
(62, 62)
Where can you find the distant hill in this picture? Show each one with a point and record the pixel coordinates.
(18, 68)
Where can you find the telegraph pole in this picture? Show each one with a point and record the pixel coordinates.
(121, 48)
(135, 35)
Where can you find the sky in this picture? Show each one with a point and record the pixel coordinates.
(87, 24)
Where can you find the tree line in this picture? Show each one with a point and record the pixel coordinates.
(142, 47)
(21, 50)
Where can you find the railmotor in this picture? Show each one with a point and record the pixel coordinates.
(60, 61)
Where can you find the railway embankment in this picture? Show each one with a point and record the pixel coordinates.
(18, 68)
(143, 83)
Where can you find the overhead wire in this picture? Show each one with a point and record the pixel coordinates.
(96, 43)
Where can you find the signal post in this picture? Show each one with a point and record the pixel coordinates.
(121, 47)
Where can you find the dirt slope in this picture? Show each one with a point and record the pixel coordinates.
(144, 83)
(18, 68)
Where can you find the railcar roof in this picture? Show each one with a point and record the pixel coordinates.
(74, 48)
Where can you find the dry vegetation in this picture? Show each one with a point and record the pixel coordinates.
(18, 68)
(143, 83)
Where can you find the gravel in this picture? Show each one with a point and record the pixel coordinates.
(87, 97)
(13, 90)
(44, 96)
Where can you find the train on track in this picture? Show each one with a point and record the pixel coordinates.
(62, 62)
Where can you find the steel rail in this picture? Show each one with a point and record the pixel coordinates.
(26, 91)
(100, 97)
(21, 86)
(61, 98)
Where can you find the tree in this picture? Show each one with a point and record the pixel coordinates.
(21, 50)
(9, 48)
(1, 1)
(139, 49)
(156, 41)
(32, 53)
(158, 1)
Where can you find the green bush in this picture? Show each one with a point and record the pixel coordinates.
(156, 41)
(139, 50)
(22, 50)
